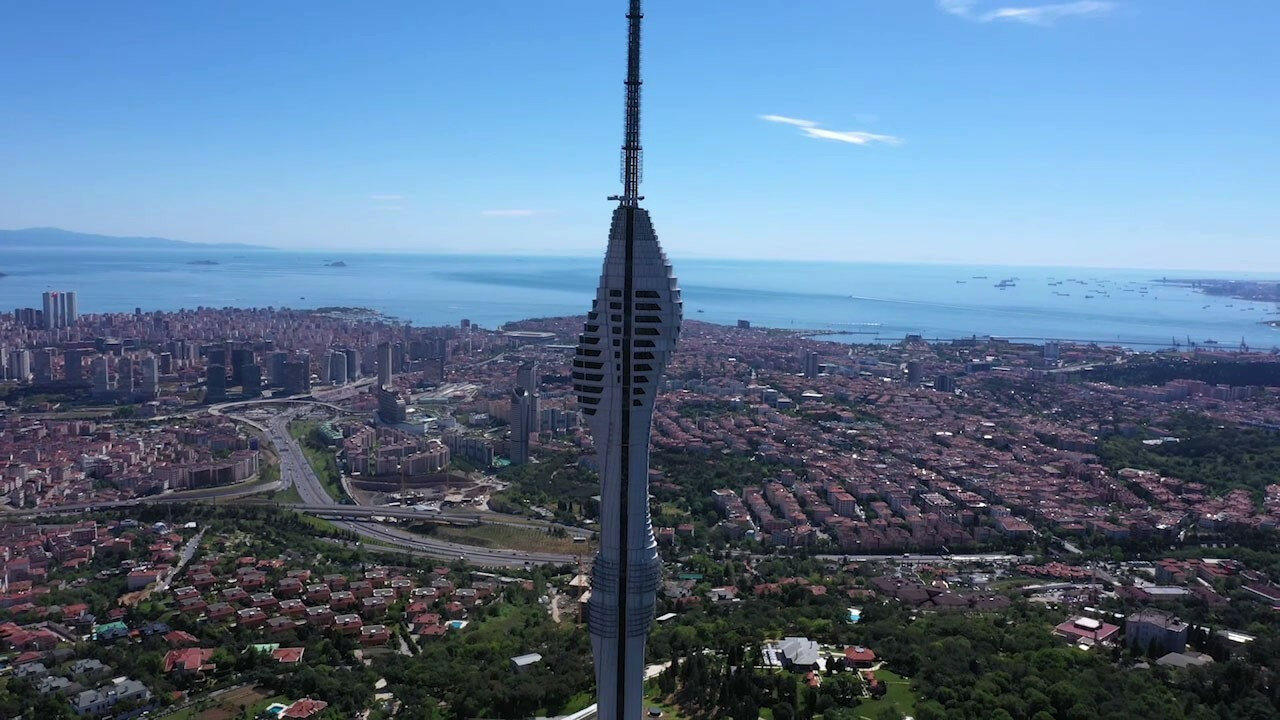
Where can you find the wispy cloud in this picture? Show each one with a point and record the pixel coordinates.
(789, 121)
(388, 197)
(853, 137)
(509, 213)
(813, 129)
(1046, 14)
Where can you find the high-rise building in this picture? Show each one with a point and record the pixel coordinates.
(297, 376)
(945, 383)
(215, 383)
(629, 335)
(523, 412)
(353, 363)
(278, 360)
(811, 365)
(915, 372)
(42, 364)
(527, 376)
(150, 368)
(58, 309)
(337, 362)
(102, 383)
(125, 382)
(240, 357)
(73, 365)
(251, 380)
(20, 365)
(384, 364)
(50, 309)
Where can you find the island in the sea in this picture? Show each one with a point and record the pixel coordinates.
(203, 262)
(336, 263)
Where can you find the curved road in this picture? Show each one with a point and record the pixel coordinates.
(296, 471)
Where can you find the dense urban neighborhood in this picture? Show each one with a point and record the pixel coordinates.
(240, 513)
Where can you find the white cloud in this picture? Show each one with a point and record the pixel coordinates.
(789, 121)
(854, 137)
(814, 130)
(509, 213)
(981, 11)
(386, 198)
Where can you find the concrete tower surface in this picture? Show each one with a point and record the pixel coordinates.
(625, 344)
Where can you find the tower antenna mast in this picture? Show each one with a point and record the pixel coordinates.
(632, 152)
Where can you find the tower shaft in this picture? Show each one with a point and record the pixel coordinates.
(625, 344)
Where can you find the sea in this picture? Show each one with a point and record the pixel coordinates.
(849, 302)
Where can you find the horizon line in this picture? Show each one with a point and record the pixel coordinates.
(229, 245)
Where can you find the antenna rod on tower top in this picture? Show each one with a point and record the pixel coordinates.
(632, 153)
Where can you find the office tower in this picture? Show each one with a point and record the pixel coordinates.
(166, 363)
(240, 357)
(811, 366)
(50, 305)
(42, 365)
(150, 368)
(251, 380)
(384, 364)
(125, 382)
(101, 368)
(522, 415)
(629, 335)
(1052, 350)
(297, 376)
(215, 355)
(4, 363)
(73, 364)
(71, 308)
(353, 363)
(915, 372)
(215, 383)
(278, 360)
(945, 383)
(744, 324)
(337, 362)
(527, 376)
(398, 354)
(20, 365)
(28, 318)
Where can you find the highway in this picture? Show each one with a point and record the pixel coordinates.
(296, 471)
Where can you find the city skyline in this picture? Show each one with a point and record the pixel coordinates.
(1016, 133)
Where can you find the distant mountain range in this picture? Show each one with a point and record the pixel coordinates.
(58, 238)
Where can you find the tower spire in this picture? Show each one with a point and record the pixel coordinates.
(632, 152)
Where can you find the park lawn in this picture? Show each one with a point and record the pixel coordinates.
(319, 523)
(653, 698)
(578, 702)
(899, 696)
(228, 706)
(513, 538)
(288, 495)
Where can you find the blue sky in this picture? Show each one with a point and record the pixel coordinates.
(1125, 133)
